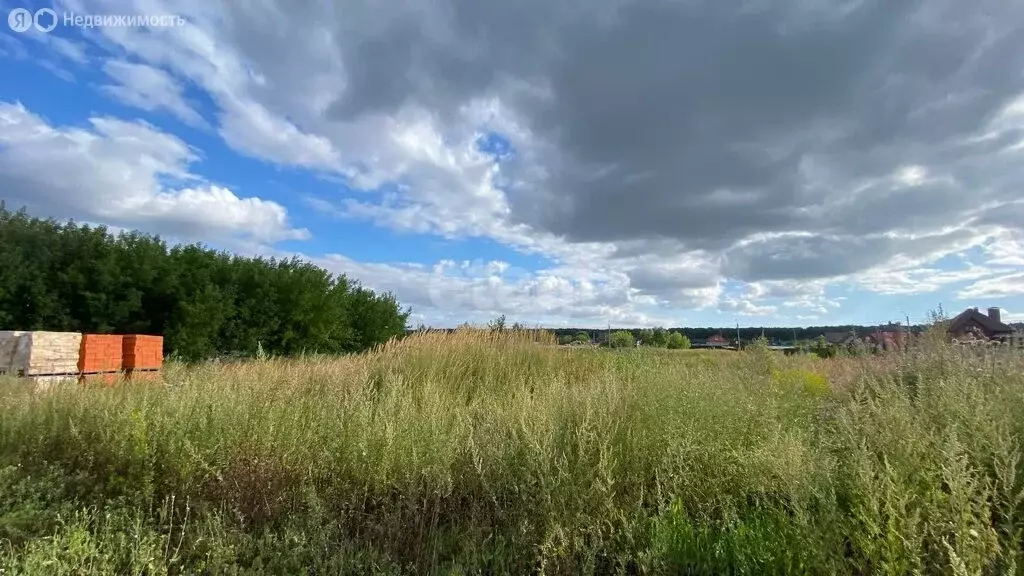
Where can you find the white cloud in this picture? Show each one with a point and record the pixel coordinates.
(10, 47)
(997, 287)
(57, 70)
(149, 88)
(120, 173)
(74, 51)
(807, 318)
(920, 280)
(912, 175)
(451, 292)
(745, 307)
(1006, 248)
(251, 129)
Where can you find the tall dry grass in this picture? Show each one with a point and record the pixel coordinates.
(481, 452)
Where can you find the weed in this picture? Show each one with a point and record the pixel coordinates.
(488, 451)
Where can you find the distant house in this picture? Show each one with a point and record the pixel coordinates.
(887, 339)
(716, 341)
(971, 324)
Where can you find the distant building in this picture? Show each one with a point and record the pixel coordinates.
(971, 324)
(887, 339)
(717, 341)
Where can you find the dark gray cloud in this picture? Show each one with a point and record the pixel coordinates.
(669, 126)
(653, 280)
(1009, 215)
(682, 93)
(818, 256)
(694, 122)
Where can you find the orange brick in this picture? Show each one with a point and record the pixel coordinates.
(100, 353)
(142, 351)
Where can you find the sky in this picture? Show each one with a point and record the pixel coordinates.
(564, 163)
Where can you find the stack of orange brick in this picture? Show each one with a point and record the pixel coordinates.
(142, 355)
(57, 356)
(99, 359)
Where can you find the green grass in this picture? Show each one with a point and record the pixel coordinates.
(483, 453)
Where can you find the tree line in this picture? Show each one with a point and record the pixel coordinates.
(774, 335)
(653, 337)
(206, 303)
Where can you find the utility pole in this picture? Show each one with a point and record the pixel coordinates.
(906, 331)
(738, 341)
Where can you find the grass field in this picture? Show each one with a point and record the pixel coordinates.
(478, 453)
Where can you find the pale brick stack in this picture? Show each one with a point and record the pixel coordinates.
(39, 353)
(8, 344)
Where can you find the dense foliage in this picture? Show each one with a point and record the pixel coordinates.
(621, 339)
(649, 337)
(677, 341)
(71, 277)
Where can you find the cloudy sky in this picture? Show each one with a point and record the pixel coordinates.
(566, 162)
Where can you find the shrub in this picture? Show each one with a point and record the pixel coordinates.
(622, 339)
(810, 383)
(677, 341)
(822, 349)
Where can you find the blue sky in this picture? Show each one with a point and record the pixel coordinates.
(585, 184)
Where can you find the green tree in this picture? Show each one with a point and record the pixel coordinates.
(822, 349)
(660, 337)
(66, 276)
(375, 318)
(622, 339)
(581, 338)
(760, 343)
(677, 341)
